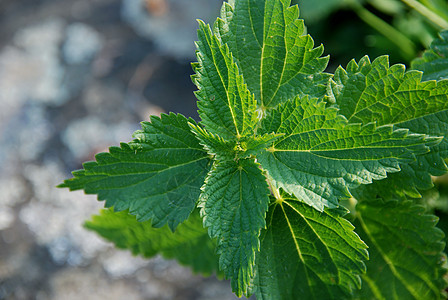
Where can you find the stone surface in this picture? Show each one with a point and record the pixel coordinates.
(75, 79)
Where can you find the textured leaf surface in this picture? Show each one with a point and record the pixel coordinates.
(226, 106)
(388, 95)
(306, 254)
(375, 91)
(228, 150)
(321, 156)
(233, 204)
(434, 62)
(269, 43)
(216, 146)
(157, 176)
(252, 145)
(405, 252)
(189, 244)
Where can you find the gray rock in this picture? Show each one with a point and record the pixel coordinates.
(81, 44)
(171, 24)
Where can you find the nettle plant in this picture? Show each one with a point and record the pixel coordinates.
(265, 188)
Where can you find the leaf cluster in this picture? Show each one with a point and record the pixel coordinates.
(283, 152)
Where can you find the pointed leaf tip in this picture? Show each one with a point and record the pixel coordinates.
(308, 254)
(321, 156)
(156, 176)
(233, 204)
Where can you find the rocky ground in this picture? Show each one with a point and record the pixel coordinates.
(76, 77)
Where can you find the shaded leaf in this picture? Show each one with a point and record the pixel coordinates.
(405, 251)
(189, 244)
(434, 62)
(306, 254)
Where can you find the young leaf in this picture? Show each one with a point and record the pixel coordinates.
(368, 92)
(189, 244)
(157, 176)
(233, 203)
(228, 150)
(216, 146)
(306, 254)
(226, 106)
(434, 62)
(321, 155)
(253, 144)
(269, 43)
(405, 251)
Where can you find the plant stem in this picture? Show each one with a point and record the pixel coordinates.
(275, 192)
(427, 13)
(406, 46)
(352, 205)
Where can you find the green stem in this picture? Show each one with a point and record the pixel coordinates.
(275, 192)
(352, 205)
(427, 13)
(406, 46)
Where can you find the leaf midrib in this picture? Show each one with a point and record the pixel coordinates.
(261, 57)
(284, 63)
(296, 243)
(299, 252)
(315, 152)
(227, 100)
(92, 172)
(314, 231)
(398, 237)
(396, 91)
(386, 258)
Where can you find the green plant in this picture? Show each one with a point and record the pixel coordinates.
(284, 159)
(400, 28)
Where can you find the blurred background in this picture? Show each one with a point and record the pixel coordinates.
(77, 76)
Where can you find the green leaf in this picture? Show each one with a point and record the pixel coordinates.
(252, 145)
(228, 150)
(434, 62)
(321, 155)
(233, 204)
(216, 146)
(409, 182)
(226, 106)
(306, 254)
(405, 251)
(157, 176)
(376, 92)
(270, 46)
(189, 244)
